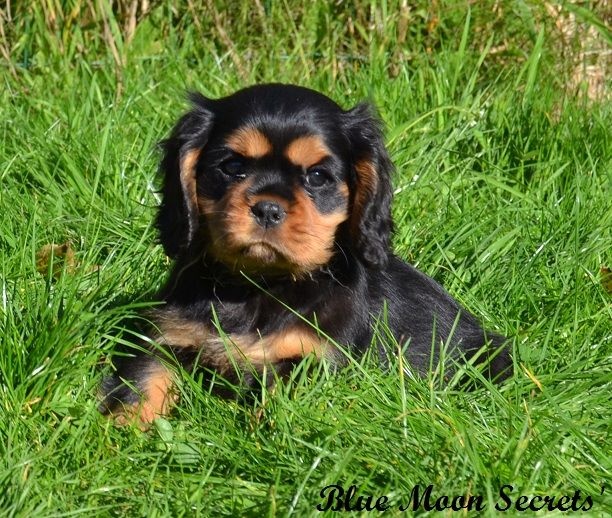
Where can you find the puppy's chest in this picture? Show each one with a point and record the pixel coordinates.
(229, 333)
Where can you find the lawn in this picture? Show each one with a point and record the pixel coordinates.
(497, 118)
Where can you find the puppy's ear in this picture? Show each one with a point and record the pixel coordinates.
(370, 223)
(177, 220)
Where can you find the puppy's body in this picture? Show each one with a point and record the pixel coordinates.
(276, 207)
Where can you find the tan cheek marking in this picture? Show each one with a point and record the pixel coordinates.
(344, 190)
(309, 236)
(188, 174)
(249, 142)
(306, 151)
(229, 221)
(206, 206)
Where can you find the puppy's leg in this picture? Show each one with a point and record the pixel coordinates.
(139, 391)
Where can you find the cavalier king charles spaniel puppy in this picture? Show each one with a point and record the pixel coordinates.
(276, 211)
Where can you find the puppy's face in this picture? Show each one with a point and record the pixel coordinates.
(270, 178)
(271, 196)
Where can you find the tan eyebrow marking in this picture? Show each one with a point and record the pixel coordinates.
(307, 151)
(249, 142)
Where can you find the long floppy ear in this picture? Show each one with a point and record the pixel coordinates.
(177, 219)
(370, 224)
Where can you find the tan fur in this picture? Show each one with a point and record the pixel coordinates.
(302, 243)
(367, 182)
(249, 142)
(292, 343)
(188, 174)
(177, 331)
(344, 190)
(223, 354)
(157, 399)
(307, 151)
(309, 235)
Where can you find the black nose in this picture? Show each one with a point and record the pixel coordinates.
(268, 214)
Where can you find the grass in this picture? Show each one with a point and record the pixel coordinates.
(502, 193)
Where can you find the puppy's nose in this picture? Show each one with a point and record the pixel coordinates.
(268, 214)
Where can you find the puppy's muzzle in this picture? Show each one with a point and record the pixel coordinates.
(268, 214)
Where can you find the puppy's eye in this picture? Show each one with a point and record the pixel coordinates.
(233, 167)
(317, 177)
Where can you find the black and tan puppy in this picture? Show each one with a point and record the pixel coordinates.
(276, 209)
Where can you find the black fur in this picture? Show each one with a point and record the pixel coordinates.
(177, 219)
(375, 224)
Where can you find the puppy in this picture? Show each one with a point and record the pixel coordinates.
(276, 211)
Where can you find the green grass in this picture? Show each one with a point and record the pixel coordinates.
(502, 193)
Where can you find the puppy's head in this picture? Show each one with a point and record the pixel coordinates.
(274, 179)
